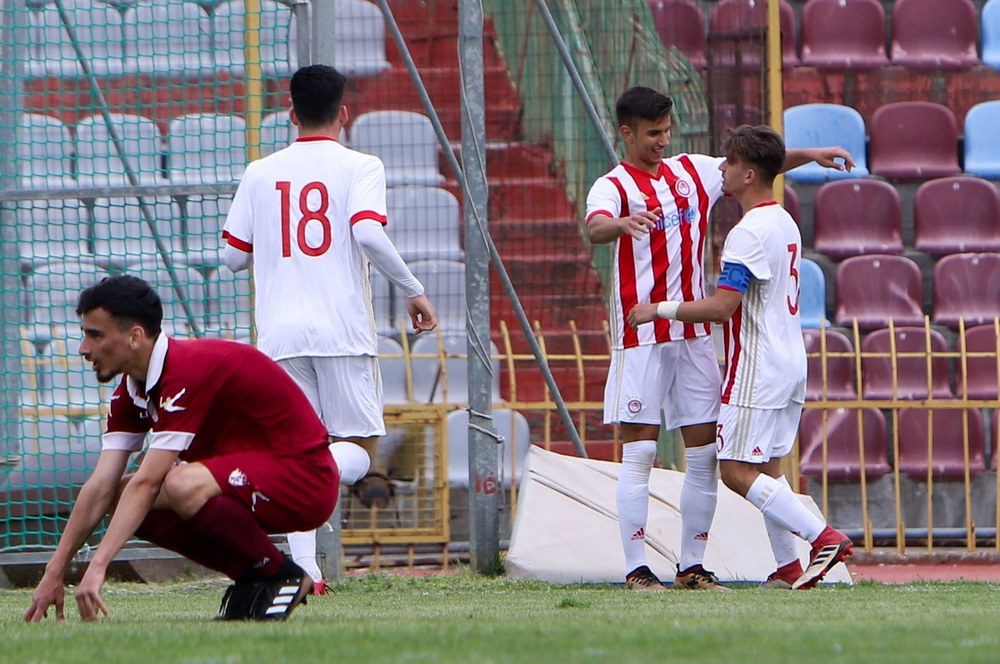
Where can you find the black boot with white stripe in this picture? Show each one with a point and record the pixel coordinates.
(277, 595)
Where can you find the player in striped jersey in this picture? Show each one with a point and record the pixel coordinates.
(763, 387)
(655, 210)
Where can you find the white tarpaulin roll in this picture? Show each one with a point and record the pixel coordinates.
(566, 530)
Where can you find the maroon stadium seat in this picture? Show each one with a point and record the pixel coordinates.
(948, 454)
(996, 436)
(743, 16)
(840, 379)
(982, 370)
(792, 204)
(935, 34)
(843, 34)
(911, 372)
(957, 214)
(967, 286)
(857, 217)
(875, 288)
(680, 23)
(913, 140)
(843, 452)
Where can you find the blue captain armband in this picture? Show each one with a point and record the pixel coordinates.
(735, 277)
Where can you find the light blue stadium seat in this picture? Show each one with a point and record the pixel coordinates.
(424, 223)
(990, 17)
(98, 30)
(507, 423)
(812, 295)
(982, 135)
(817, 125)
(277, 38)
(404, 141)
(44, 149)
(230, 304)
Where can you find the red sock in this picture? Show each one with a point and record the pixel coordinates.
(167, 529)
(234, 527)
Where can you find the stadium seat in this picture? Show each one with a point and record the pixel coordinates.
(51, 230)
(843, 447)
(958, 214)
(680, 23)
(192, 284)
(843, 34)
(509, 424)
(98, 160)
(730, 116)
(68, 379)
(168, 39)
(54, 289)
(854, 217)
(995, 416)
(392, 367)
(874, 289)
(739, 16)
(122, 234)
(819, 125)
(58, 451)
(445, 284)
(229, 304)
(982, 370)
(911, 372)
(990, 17)
(44, 149)
(812, 294)
(359, 35)
(278, 56)
(204, 217)
(390, 314)
(205, 147)
(276, 132)
(98, 30)
(424, 223)
(430, 384)
(948, 454)
(791, 204)
(840, 378)
(404, 141)
(934, 34)
(982, 132)
(966, 287)
(914, 140)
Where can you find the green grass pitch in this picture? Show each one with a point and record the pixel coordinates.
(464, 618)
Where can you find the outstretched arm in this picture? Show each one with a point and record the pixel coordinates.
(94, 501)
(826, 157)
(716, 309)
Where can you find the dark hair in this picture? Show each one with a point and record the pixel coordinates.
(761, 146)
(317, 94)
(128, 299)
(641, 103)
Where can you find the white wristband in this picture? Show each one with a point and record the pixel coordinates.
(667, 309)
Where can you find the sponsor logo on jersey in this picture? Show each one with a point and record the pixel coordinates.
(169, 404)
(676, 218)
(254, 497)
(237, 478)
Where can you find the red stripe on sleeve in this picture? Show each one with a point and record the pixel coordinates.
(234, 241)
(368, 214)
(597, 212)
(626, 274)
(732, 364)
(702, 221)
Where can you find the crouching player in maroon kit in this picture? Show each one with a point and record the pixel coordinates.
(235, 451)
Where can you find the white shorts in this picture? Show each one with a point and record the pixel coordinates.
(346, 392)
(680, 377)
(757, 435)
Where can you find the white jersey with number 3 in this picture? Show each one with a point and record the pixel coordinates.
(765, 355)
(294, 210)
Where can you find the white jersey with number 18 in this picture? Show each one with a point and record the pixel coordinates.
(765, 355)
(294, 210)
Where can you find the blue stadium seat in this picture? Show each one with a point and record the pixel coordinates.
(982, 135)
(990, 17)
(508, 423)
(817, 125)
(812, 295)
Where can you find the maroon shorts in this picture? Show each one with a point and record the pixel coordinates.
(285, 493)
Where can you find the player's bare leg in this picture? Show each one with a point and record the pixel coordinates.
(374, 489)
(699, 496)
(632, 499)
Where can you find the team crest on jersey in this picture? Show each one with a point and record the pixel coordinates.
(634, 406)
(237, 478)
(683, 188)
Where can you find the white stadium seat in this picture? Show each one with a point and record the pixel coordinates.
(206, 147)
(98, 160)
(122, 234)
(277, 38)
(44, 149)
(51, 230)
(192, 285)
(507, 423)
(404, 141)
(444, 282)
(98, 30)
(168, 39)
(424, 223)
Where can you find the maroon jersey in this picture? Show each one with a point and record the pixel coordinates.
(207, 398)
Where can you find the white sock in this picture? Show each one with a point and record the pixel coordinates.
(633, 499)
(778, 503)
(782, 540)
(303, 547)
(698, 498)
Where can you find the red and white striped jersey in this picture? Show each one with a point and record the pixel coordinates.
(667, 263)
(765, 355)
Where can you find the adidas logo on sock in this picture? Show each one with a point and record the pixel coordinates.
(639, 534)
(701, 536)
